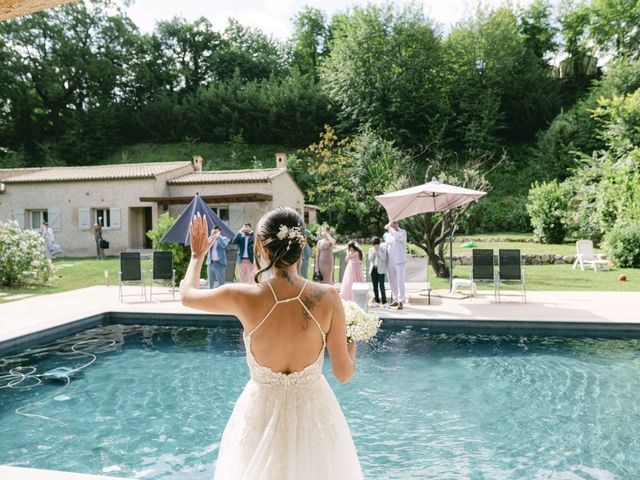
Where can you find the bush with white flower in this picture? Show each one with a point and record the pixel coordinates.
(22, 260)
(361, 326)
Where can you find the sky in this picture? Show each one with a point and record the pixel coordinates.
(274, 16)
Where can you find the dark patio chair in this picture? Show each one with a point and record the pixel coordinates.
(482, 269)
(232, 259)
(510, 270)
(162, 271)
(130, 272)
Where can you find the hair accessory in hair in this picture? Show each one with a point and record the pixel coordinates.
(355, 244)
(293, 233)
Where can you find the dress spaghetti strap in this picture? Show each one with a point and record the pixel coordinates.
(287, 300)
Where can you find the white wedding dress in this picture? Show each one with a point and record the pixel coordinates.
(287, 426)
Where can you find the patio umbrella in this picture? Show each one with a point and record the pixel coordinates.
(429, 197)
(179, 232)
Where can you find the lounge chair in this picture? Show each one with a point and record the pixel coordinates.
(130, 271)
(585, 256)
(482, 268)
(162, 271)
(510, 270)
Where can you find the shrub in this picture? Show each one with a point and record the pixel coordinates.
(547, 208)
(181, 253)
(623, 244)
(22, 260)
(506, 213)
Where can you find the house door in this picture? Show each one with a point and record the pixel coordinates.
(140, 222)
(148, 225)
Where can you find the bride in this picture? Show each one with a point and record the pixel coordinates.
(287, 423)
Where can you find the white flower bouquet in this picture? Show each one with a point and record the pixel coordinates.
(361, 326)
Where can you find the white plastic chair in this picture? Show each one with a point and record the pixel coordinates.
(585, 256)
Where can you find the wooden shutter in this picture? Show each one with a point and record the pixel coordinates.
(236, 217)
(115, 218)
(18, 215)
(54, 218)
(84, 219)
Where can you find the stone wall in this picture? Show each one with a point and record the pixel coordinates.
(527, 259)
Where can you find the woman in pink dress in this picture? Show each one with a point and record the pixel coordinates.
(324, 255)
(353, 270)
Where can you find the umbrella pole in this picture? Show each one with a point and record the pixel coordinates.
(450, 256)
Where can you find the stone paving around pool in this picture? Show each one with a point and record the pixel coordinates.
(30, 315)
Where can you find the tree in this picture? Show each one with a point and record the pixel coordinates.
(384, 69)
(615, 26)
(536, 27)
(62, 64)
(430, 231)
(309, 40)
(498, 88)
(343, 176)
(191, 50)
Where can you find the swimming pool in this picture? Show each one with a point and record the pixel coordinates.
(154, 402)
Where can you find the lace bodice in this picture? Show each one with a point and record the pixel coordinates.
(265, 375)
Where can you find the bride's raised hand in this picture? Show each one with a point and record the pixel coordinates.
(198, 229)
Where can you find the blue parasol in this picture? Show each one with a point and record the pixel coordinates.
(179, 232)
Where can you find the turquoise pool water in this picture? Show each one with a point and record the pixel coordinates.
(421, 406)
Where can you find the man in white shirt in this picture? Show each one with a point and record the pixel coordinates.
(396, 242)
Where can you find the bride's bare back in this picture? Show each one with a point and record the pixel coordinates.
(290, 334)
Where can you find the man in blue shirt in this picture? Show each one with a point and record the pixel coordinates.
(307, 253)
(217, 260)
(244, 239)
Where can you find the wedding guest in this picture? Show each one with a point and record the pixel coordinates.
(377, 269)
(217, 259)
(353, 270)
(324, 255)
(396, 241)
(307, 253)
(49, 238)
(97, 236)
(244, 239)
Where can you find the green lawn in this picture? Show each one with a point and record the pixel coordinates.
(74, 273)
(559, 278)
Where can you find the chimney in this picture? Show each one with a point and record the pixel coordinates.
(197, 163)
(281, 160)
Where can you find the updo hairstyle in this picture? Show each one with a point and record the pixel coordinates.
(281, 233)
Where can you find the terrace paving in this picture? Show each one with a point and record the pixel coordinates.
(43, 312)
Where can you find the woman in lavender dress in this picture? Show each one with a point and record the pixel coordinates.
(324, 255)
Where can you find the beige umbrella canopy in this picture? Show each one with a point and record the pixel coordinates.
(16, 8)
(429, 197)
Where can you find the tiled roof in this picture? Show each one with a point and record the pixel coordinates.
(229, 176)
(96, 172)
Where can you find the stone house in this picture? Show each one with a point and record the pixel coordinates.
(127, 199)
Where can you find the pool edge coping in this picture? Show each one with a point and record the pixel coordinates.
(488, 326)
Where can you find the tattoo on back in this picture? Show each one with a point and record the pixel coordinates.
(311, 301)
(286, 275)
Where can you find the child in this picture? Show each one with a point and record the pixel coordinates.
(378, 268)
(353, 271)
